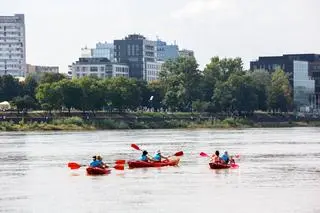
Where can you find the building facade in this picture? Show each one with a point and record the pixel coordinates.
(99, 67)
(303, 86)
(86, 52)
(12, 45)
(41, 69)
(166, 52)
(304, 75)
(136, 51)
(104, 50)
(186, 53)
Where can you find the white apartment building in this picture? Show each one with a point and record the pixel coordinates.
(12, 46)
(152, 70)
(99, 67)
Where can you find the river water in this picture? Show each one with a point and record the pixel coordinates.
(279, 172)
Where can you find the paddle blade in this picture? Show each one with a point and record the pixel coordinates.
(73, 165)
(234, 166)
(202, 154)
(179, 154)
(135, 146)
(120, 161)
(119, 167)
(237, 156)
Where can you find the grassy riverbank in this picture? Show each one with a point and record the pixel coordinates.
(154, 122)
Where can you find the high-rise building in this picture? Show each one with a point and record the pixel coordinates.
(12, 45)
(166, 52)
(139, 53)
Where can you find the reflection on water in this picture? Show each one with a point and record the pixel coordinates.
(279, 172)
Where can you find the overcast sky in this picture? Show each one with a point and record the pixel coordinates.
(57, 29)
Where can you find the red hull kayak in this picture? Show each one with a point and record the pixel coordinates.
(173, 161)
(97, 171)
(222, 166)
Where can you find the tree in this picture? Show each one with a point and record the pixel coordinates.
(218, 70)
(262, 82)
(29, 86)
(70, 93)
(280, 92)
(9, 88)
(51, 77)
(238, 93)
(124, 93)
(181, 79)
(49, 96)
(24, 103)
(156, 90)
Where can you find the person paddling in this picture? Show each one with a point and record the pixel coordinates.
(216, 157)
(158, 157)
(97, 162)
(225, 157)
(145, 157)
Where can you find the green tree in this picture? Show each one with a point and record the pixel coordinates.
(51, 77)
(181, 78)
(24, 103)
(238, 93)
(124, 93)
(157, 93)
(9, 88)
(70, 93)
(49, 96)
(218, 70)
(262, 82)
(29, 86)
(280, 92)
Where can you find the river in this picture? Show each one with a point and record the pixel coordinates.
(279, 172)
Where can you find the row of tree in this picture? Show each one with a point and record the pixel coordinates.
(222, 86)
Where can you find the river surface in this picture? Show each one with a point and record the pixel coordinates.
(279, 172)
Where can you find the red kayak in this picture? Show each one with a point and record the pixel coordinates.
(173, 161)
(97, 171)
(222, 166)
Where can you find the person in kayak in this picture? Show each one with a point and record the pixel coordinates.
(225, 157)
(158, 157)
(145, 157)
(97, 162)
(216, 157)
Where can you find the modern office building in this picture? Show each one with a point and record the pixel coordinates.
(304, 75)
(41, 69)
(12, 45)
(136, 51)
(99, 67)
(186, 53)
(304, 95)
(166, 52)
(104, 50)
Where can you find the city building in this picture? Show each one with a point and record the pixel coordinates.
(186, 53)
(12, 45)
(166, 52)
(304, 96)
(104, 50)
(41, 69)
(304, 75)
(86, 52)
(136, 51)
(99, 67)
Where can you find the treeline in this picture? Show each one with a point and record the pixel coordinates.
(223, 86)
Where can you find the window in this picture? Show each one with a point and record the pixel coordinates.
(102, 69)
(93, 69)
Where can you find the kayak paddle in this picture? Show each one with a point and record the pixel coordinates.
(74, 165)
(136, 147)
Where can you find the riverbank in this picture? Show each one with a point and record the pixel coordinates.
(59, 122)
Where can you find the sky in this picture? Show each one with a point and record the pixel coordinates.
(56, 30)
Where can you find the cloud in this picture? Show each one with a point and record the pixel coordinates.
(196, 7)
